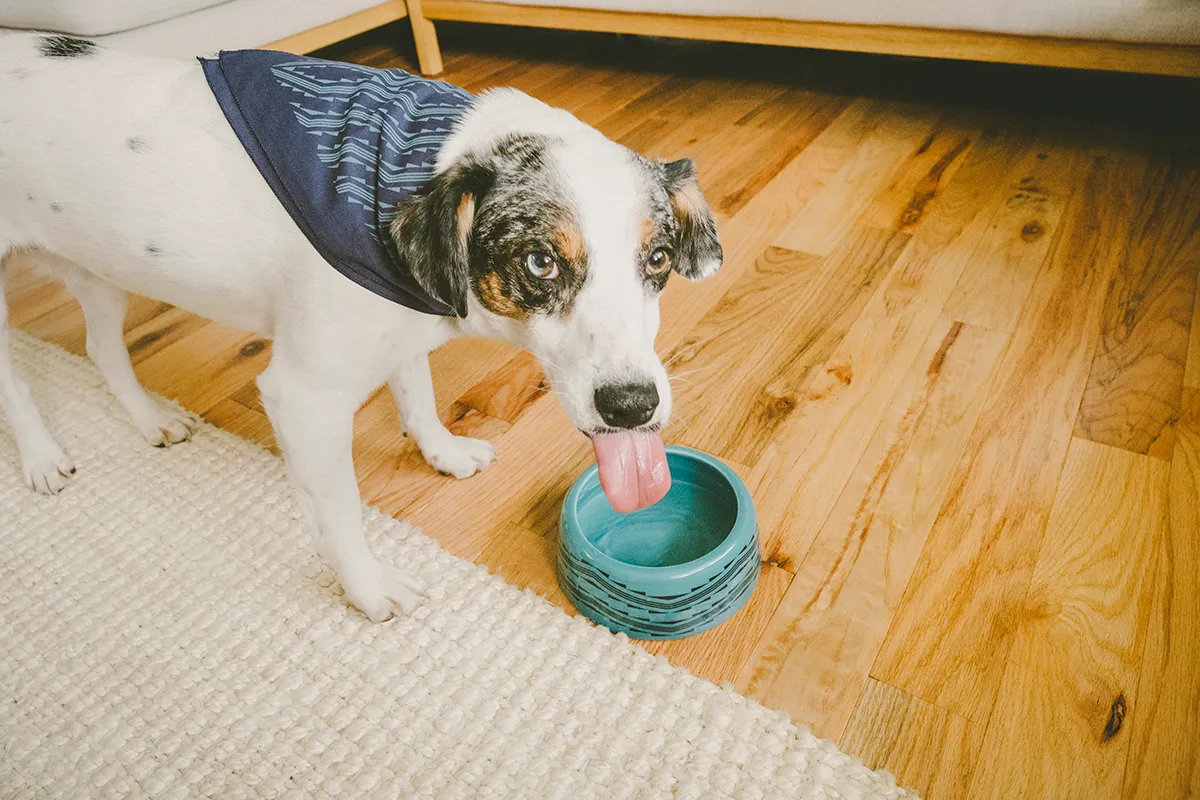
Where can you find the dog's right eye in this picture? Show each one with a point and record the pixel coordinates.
(541, 266)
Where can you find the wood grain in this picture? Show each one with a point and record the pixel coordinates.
(999, 274)
(825, 297)
(922, 177)
(1078, 634)
(1164, 728)
(800, 475)
(924, 747)
(976, 567)
(813, 659)
(1133, 390)
(895, 133)
(1191, 373)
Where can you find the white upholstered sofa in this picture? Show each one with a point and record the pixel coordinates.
(187, 28)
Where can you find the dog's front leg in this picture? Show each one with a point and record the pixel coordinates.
(460, 456)
(314, 425)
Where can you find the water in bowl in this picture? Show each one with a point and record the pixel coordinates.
(693, 519)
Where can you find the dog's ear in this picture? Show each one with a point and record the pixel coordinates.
(432, 232)
(699, 252)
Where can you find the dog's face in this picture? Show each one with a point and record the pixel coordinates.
(561, 241)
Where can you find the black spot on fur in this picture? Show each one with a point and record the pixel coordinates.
(65, 47)
(137, 144)
(56, 207)
(153, 250)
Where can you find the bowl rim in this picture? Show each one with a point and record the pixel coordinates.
(745, 521)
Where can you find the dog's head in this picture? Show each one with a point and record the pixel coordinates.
(539, 230)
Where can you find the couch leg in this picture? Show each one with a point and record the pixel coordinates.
(429, 53)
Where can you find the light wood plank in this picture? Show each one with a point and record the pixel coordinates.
(948, 643)
(1132, 396)
(793, 122)
(922, 177)
(824, 298)
(813, 659)
(1073, 667)
(997, 280)
(525, 560)
(216, 365)
(1164, 725)
(908, 41)
(924, 747)
(799, 476)
(896, 133)
(160, 332)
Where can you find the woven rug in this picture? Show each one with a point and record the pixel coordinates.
(166, 631)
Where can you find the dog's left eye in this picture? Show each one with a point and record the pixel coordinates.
(659, 262)
(541, 266)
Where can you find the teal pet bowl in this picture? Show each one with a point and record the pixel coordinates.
(675, 569)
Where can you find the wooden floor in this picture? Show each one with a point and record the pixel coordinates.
(954, 353)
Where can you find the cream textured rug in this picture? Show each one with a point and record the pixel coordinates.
(166, 631)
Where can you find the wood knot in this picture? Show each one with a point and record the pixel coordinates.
(778, 560)
(253, 348)
(147, 340)
(782, 406)
(1032, 231)
(1116, 717)
(842, 372)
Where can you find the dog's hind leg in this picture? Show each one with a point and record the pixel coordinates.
(460, 456)
(45, 466)
(104, 311)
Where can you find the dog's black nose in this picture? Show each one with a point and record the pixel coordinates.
(626, 405)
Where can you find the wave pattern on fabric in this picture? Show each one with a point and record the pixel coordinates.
(380, 130)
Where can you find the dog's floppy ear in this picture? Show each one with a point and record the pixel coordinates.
(699, 254)
(432, 231)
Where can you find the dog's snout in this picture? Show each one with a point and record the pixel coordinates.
(626, 405)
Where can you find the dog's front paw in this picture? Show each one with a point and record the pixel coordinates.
(383, 592)
(164, 427)
(460, 456)
(49, 470)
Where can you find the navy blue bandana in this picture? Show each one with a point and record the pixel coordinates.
(341, 146)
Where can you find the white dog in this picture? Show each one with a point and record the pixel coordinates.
(123, 174)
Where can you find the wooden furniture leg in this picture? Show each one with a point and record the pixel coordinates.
(429, 52)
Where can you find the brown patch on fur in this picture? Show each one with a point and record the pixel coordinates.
(491, 294)
(688, 200)
(649, 231)
(568, 240)
(466, 216)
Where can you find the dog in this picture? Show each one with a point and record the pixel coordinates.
(122, 173)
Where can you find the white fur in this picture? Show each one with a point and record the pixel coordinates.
(95, 210)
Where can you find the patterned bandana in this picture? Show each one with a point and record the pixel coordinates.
(341, 146)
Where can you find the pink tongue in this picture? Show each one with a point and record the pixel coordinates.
(633, 469)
